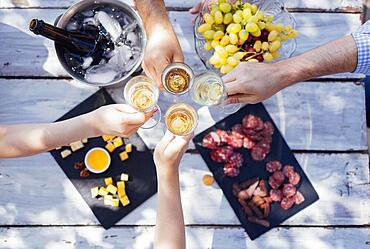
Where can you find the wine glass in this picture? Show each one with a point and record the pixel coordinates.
(142, 93)
(209, 89)
(181, 119)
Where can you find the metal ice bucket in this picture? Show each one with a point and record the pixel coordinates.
(62, 21)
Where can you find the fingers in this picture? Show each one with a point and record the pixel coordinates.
(166, 139)
(196, 8)
(230, 77)
(124, 108)
(237, 87)
(241, 98)
(178, 146)
(137, 118)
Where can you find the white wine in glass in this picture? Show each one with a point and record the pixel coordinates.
(176, 78)
(142, 93)
(181, 119)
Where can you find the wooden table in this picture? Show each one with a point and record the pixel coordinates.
(322, 120)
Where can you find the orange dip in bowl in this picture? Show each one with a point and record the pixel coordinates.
(97, 160)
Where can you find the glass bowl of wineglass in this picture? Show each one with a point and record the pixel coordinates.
(265, 22)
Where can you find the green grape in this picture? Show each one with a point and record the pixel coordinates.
(204, 27)
(265, 46)
(247, 13)
(254, 9)
(209, 34)
(253, 19)
(222, 1)
(279, 27)
(269, 19)
(232, 61)
(274, 46)
(226, 69)
(231, 49)
(218, 17)
(214, 43)
(228, 18)
(257, 33)
(257, 46)
(221, 51)
(253, 60)
(237, 17)
(208, 18)
(225, 40)
(288, 28)
(239, 55)
(233, 38)
(261, 25)
(214, 59)
(218, 35)
(223, 60)
(276, 55)
(207, 46)
(292, 34)
(214, 8)
(218, 27)
(225, 7)
(234, 28)
(217, 65)
(260, 15)
(268, 57)
(251, 27)
(243, 35)
(247, 6)
(273, 35)
(270, 27)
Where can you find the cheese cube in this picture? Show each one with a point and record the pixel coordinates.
(128, 148)
(94, 192)
(108, 137)
(58, 148)
(112, 189)
(125, 201)
(110, 147)
(124, 177)
(103, 191)
(123, 155)
(108, 181)
(121, 189)
(108, 197)
(76, 145)
(65, 153)
(108, 200)
(85, 140)
(114, 202)
(117, 142)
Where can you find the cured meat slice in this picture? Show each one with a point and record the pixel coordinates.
(237, 159)
(294, 178)
(278, 176)
(231, 171)
(273, 183)
(258, 153)
(268, 128)
(221, 154)
(248, 143)
(286, 203)
(289, 190)
(253, 122)
(276, 194)
(288, 170)
(273, 166)
(298, 198)
(235, 141)
(238, 130)
(223, 136)
(211, 140)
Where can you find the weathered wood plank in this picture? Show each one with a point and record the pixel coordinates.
(32, 186)
(196, 237)
(311, 116)
(305, 5)
(29, 55)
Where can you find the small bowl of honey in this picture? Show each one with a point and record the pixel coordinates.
(177, 78)
(97, 160)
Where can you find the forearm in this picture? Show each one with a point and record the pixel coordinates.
(29, 139)
(338, 56)
(154, 15)
(169, 229)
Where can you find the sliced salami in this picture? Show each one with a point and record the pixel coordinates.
(258, 153)
(298, 198)
(238, 130)
(273, 166)
(273, 183)
(286, 203)
(221, 154)
(223, 136)
(211, 140)
(231, 171)
(248, 143)
(289, 190)
(294, 178)
(278, 176)
(237, 159)
(288, 170)
(253, 122)
(276, 194)
(235, 141)
(268, 128)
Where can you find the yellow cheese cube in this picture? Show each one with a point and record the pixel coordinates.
(76, 145)
(108, 200)
(110, 147)
(108, 137)
(121, 189)
(94, 192)
(117, 142)
(124, 177)
(65, 153)
(108, 197)
(128, 148)
(103, 191)
(124, 200)
(123, 155)
(85, 140)
(112, 189)
(108, 181)
(114, 202)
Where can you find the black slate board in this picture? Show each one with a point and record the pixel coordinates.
(140, 167)
(279, 151)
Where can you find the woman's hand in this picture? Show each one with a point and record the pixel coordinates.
(168, 153)
(117, 119)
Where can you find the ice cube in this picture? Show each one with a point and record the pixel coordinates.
(90, 21)
(121, 57)
(88, 13)
(110, 25)
(87, 62)
(72, 26)
(101, 74)
(132, 38)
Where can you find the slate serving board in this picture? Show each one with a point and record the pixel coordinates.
(140, 167)
(251, 168)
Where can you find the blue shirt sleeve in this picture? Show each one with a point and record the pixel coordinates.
(362, 39)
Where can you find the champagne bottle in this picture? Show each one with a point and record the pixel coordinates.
(76, 42)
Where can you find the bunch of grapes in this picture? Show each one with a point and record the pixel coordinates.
(241, 32)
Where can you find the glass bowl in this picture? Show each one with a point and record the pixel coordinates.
(273, 8)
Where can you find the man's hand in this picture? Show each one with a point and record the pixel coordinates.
(168, 153)
(252, 82)
(117, 119)
(162, 48)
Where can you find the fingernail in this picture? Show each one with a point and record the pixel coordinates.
(155, 109)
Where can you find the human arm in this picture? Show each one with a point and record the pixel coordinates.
(162, 46)
(169, 228)
(255, 82)
(28, 139)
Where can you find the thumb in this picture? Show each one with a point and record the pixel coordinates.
(196, 8)
(124, 108)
